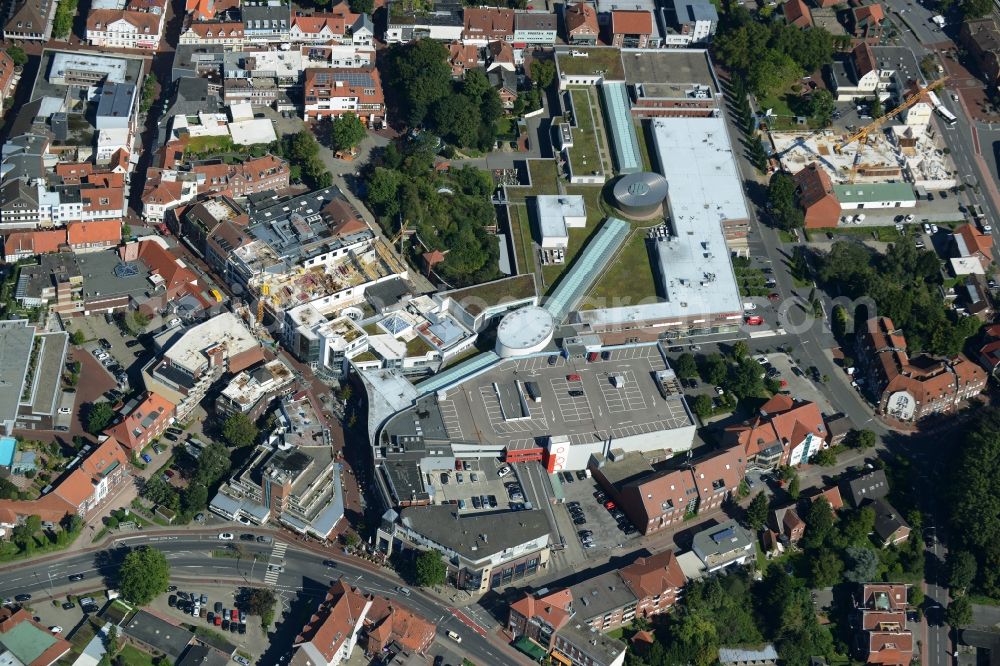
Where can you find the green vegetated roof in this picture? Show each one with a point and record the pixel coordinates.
(26, 641)
(870, 192)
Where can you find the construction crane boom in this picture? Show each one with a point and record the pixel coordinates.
(904, 105)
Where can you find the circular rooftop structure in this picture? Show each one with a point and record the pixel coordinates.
(640, 194)
(524, 331)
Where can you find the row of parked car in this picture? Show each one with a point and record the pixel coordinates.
(228, 619)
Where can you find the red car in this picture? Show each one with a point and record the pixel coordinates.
(218, 620)
(754, 320)
(591, 357)
(234, 616)
(573, 378)
(609, 505)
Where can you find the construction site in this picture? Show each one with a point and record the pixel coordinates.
(909, 149)
(327, 287)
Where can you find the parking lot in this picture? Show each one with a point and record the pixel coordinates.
(96, 328)
(477, 480)
(606, 535)
(253, 641)
(799, 385)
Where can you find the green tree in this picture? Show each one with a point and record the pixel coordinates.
(746, 379)
(757, 154)
(757, 511)
(78, 338)
(238, 431)
(973, 9)
(702, 406)
(863, 565)
(713, 368)
(959, 613)
(17, 55)
(8, 490)
(543, 72)
(430, 569)
(877, 109)
(824, 458)
(793, 487)
(213, 463)
(685, 366)
(740, 350)
(821, 107)
(362, 6)
(861, 439)
(825, 569)
(135, 322)
(457, 119)
(347, 131)
(419, 75)
(261, 601)
(99, 417)
(961, 569)
(144, 574)
(62, 22)
(772, 72)
(148, 92)
(194, 499)
(819, 523)
(783, 202)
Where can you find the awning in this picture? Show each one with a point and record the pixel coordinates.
(530, 648)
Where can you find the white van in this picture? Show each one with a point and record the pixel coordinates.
(749, 306)
(455, 637)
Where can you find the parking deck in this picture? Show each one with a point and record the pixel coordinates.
(613, 396)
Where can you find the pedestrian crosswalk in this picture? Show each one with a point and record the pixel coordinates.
(276, 560)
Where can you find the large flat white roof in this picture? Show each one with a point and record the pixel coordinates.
(553, 209)
(224, 329)
(704, 188)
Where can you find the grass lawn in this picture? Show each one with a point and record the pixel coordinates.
(584, 156)
(886, 234)
(784, 118)
(787, 236)
(628, 278)
(640, 132)
(521, 232)
(210, 144)
(544, 180)
(601, 59)
(134, 657)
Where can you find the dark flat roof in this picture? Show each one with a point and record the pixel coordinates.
(158, 634)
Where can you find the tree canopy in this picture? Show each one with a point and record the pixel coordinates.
(757, 511)
(347, 131)
(772, 56)
(975, 498)
(463, 113)
(17, 55)
(783, 203)
(429, 569)
(238, 430)
(99, 416)
(448, 211)
(144, 574)
(903, 283)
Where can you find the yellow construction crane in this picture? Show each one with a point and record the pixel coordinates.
(404, 230)
(265, 290)
(904, 105)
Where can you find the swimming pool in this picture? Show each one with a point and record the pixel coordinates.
(7, 446)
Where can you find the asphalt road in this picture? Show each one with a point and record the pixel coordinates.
(304, 576)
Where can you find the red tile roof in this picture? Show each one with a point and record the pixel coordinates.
(815, 191)
(462, 57)
(334, 621)
(581, 18)
(160, 261)
(797, 13)
(96, 232)
(975, 240)
(556, 608)
(864, 59)
(103, 198)
(631, 22)
(216, 29)
(33, 242)
(151, 415)
(488, 23)
(336, 24)
(652, 576)
(388, 622)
